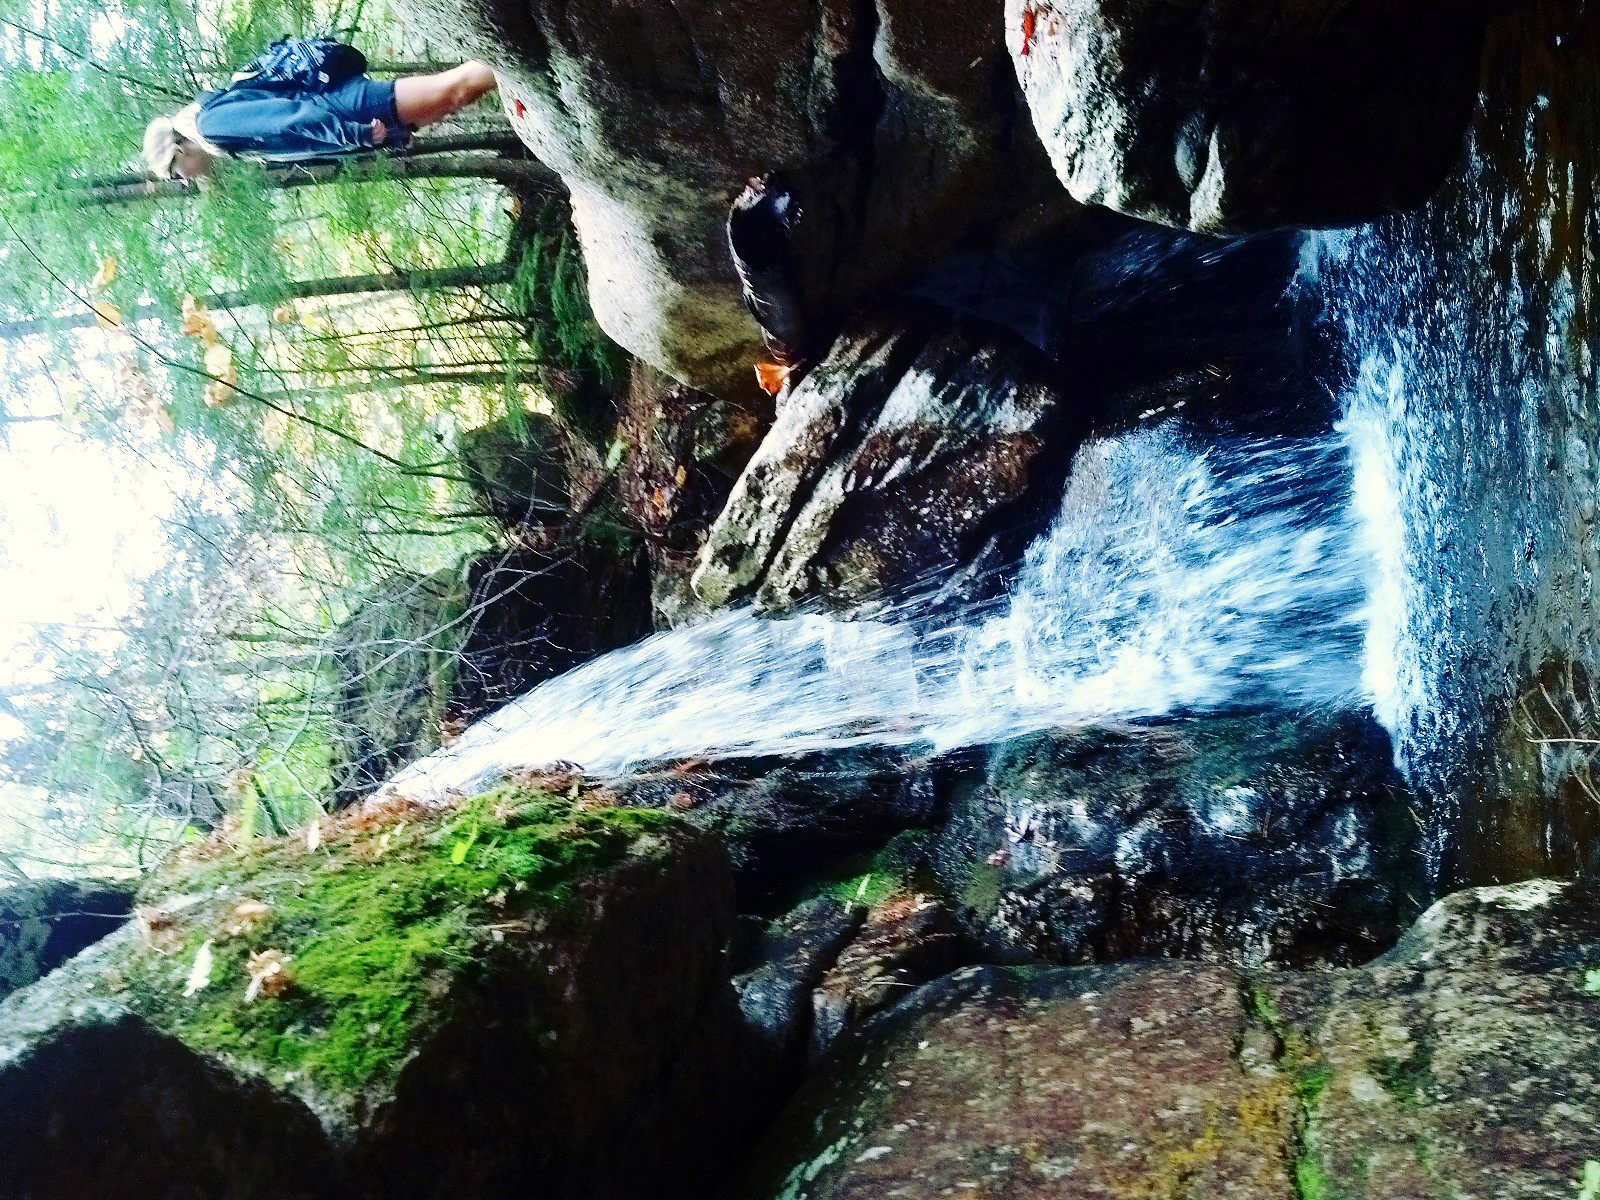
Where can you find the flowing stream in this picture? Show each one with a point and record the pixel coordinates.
(1436, 558)
(1178, 576)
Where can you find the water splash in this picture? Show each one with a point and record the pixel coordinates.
(1177, 576)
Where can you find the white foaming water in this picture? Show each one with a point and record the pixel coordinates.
(1176, 577)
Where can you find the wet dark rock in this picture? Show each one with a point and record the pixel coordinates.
(1238, 117)
(890, 465)
(1462, 1064)
(682, 452)
(785, 819)
(1273, 837)
(425, 655)
(572, 1032)
(47, 921)
(906, 941)
(792, 957)
(897, 124)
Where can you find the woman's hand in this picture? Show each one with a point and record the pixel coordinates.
(380, 132)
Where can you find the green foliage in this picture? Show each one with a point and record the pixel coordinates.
(1310, 1182)
(1589, 1185)
(1591, 981)
(551, 286)
(326, 475)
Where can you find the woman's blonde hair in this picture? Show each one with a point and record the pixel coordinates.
(161, 146)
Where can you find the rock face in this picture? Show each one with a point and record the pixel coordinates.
(427, 1004)
(785, 819)
(684, 449)
(532, 614)
(888, 466)
(46, 922)
(518, 468)
(897, 123)
(1237, 117)
(1277, 837)
(906, 941)
(794, 953)
(1462, 1064)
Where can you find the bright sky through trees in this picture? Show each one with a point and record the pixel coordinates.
(231, 419)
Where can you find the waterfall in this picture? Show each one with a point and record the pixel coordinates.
(1467, 334)
(1180, 575)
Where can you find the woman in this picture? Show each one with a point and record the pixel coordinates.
(361, 114)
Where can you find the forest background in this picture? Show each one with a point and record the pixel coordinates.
(278, 371)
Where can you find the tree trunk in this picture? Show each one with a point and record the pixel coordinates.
(499, 157)
(477, 276)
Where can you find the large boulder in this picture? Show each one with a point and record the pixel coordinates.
(890, 465)
(1236, 117)
(791, 956)
(537, 612)
(47, 921)
(518, 468)
(1462, 1064)
(418, 1002)
(897, 124)
(1283, 836)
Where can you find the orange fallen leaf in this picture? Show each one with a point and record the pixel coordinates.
(771, 376)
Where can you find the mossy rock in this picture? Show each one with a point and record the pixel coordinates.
(417, 1003)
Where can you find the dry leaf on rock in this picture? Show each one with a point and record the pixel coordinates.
(269, 974)
(246, 916)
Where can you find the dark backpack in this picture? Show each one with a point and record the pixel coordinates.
(316, 64)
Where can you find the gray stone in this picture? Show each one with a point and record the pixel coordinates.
(437, 1023)
(785, 819)
(1460, 1065)
(793, 956)
(888, 467)
(906, 941)
(519, 470)
(1268, 837)
(1237, 117)
(896, 122)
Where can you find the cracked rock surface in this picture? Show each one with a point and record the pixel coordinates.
(1462, 1064)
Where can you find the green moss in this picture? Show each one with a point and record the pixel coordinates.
(1310, 1081)
(1309, 1181)
(1309, 1075)
(377, 924)
(1404, 1079)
